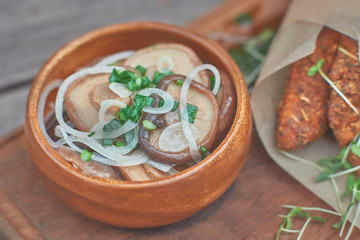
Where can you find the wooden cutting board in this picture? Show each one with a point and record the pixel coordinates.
(247, 210)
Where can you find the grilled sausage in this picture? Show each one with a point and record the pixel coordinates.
(302, 112)
(345, 73)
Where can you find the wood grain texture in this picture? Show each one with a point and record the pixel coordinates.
(247, 210)
(32, 30)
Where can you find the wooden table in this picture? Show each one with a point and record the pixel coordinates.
(247, 210)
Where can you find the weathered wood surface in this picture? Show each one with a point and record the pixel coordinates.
(31, 31)
(247, 210)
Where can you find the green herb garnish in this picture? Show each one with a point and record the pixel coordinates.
(107, 142)
(299, 212)
(112, 125)
(203, 150)
(131, 80)
(91, 134)
(179, 82)
(149, 125)
(134, 113)
(86, 155)
(119, 143)
(141, 69)
(192, 110)
(157, 76)
(250, 55)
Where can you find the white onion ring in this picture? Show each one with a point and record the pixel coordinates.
(128, 147)
(114, 58)
(104, 106)
(41, 108)
(120, 89)
(136, 158)
(59, 104)
(158, 165)
(166, 59)
(194, 151)
(168, 101)
(171, 141)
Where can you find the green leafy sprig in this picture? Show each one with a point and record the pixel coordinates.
(297, 211)
(318, 68)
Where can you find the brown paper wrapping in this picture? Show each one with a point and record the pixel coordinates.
(296, 39)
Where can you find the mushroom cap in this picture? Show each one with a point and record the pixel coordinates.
(227, 101)
(83, 97)
(183, 57)
(91, 168)
(142, 172)
(206, 121)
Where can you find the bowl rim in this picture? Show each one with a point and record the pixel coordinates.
(242, 100)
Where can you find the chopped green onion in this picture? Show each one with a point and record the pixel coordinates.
(212, 82)
(158, 76)
(179, 82)
(355, 149)
(176, 103)
(131, 80)
(134, 113)
(149, 125)
(120, 143)
(107, 142)
(203, 150)
(141, 69)
(114, 76)
(86, 155)
(112, 125)
(192, 110)
(320, 63)
(91, 134)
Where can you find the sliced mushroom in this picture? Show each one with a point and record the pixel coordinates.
(91, 168)
(226, 99)
(206, 122)
(102, 92)
(184, 59)
(83, 97)
(142, 172)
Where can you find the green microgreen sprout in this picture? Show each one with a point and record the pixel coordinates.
(352, 185)
(243, 19)
(91, 134)
(318, 68)
(148, 125)
(297, 211)
(349, 54)
(86, 155)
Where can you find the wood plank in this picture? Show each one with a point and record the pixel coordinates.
(32, 30)
(13, 105)
(247, 210)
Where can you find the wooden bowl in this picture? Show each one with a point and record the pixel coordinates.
(149, 203)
